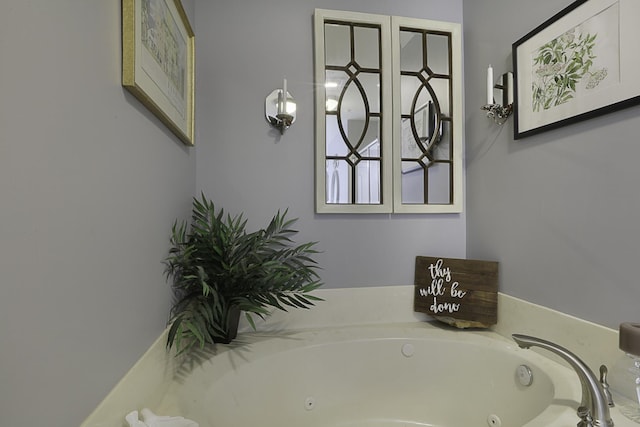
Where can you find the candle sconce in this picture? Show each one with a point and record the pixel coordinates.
(280, 108)
(500, 112)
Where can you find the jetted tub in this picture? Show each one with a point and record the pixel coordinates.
(417, 374)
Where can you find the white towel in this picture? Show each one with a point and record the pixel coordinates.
(149, 419)
(133, 420)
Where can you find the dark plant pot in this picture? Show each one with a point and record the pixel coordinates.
(233, 319)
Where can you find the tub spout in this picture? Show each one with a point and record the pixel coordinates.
(594, 407)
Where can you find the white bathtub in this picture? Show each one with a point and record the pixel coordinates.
(416, 374)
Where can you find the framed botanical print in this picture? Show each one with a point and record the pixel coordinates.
(579, 64)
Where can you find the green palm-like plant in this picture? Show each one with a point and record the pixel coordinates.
(219, 269)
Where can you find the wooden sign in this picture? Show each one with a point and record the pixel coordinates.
(460, 292)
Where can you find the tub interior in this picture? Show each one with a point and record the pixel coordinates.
(398, 379)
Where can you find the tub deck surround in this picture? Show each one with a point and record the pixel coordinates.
(145, 385)
(375, 309)
(593, 343)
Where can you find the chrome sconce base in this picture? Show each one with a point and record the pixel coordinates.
(499, 113)
(502, 91)
(281, 121)
(280, 108)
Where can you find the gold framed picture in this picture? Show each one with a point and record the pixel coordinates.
(158, 61)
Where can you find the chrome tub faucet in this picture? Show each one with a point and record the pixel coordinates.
(595, 403)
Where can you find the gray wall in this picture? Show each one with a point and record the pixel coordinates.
(558, 210)
(245, 48)
(90, 183)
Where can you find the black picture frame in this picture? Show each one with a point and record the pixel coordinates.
(579, 64)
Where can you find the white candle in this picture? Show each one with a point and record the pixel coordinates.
(510, 88)
(279, 106)
(489, 85)
(284, 96)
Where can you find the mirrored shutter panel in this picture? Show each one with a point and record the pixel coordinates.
(388, 114)
(425, 116)
(427, 159)
(353, 70)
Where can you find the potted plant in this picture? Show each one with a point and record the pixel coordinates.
(218, 270)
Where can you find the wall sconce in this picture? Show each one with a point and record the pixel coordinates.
(499, 112)
(280, 108)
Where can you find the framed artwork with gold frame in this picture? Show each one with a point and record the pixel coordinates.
(158, 61)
